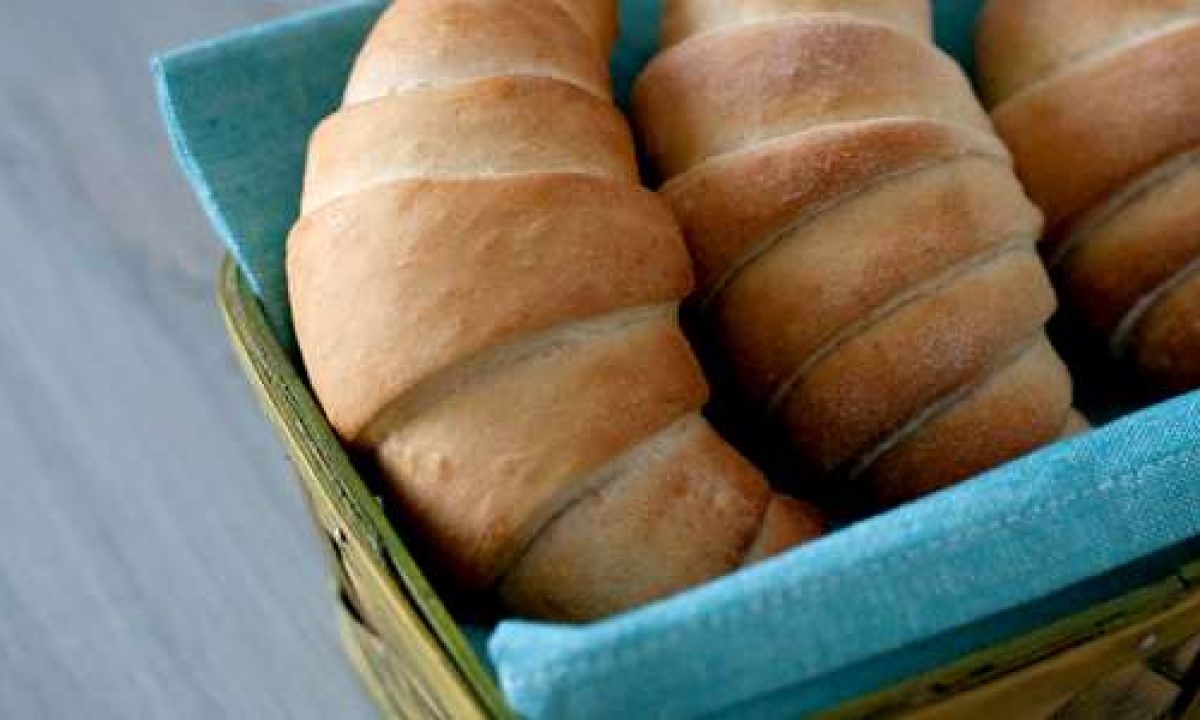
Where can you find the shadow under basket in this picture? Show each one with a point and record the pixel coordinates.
(1131, 657)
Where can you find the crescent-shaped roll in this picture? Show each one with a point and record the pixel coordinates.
(864, 253)
(1099, 101)
(486, 303)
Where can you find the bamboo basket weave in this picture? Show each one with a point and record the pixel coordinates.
(1132, 657)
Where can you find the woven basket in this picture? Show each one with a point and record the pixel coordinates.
(1133, 657)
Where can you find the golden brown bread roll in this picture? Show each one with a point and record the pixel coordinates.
(864, 252)
(486, 303)
(1100, 102)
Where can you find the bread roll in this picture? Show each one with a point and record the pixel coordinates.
(1100, 102)
(486, 303)
(864, 252)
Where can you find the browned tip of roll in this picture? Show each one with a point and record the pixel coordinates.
(1076, 424)
(442, 42)
(787, 523)
(682, 509)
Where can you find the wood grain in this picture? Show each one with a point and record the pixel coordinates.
(156, 557)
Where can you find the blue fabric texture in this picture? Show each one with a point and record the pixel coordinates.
(239, 111)
(869, 605)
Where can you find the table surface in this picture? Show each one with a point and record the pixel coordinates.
(156, 558)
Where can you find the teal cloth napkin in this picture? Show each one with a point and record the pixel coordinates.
(874, 603)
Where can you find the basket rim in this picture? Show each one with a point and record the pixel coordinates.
(311, 442)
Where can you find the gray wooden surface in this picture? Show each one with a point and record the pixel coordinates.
(156, 560)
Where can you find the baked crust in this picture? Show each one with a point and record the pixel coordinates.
(864, 252)
(1099, 102)
(486, 302)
